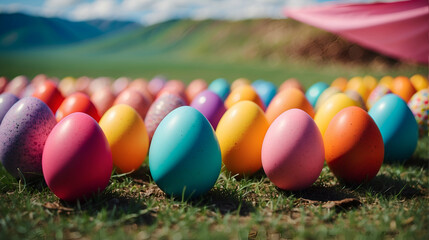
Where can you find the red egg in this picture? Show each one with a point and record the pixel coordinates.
(134, 99)
(48, 92)
(354, 148)
(76, 161)
(3, 83)
(77, 102)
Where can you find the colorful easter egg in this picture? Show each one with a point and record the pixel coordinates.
(292, 151)
(370, 82)
(357, 84)
(386, 81)
(357, 98)
(77, 102)
(49, 94)
(120, 85)
(221, 87)
(403, 87)
(419, 105)
(330, 108)
(354, 148)
(313, 93)
(194, 88)
(210, 105)
(340, 83)
(67, 86)
(239, 82)
(291, 83)
(127, 136)
(376, 94)
(244, 93)
(7, 100)
(141, 85)
(159, 109)
(23, 133)
(241, 132)
(184, 157)
(266, 91)
(103, 99)
(176, 87)
(3, 84)
(287, 99)
(329, 92)
(135, 100)
(77, 162)
(155, 85)
(397, 126)
(17, 85)
(419, 82)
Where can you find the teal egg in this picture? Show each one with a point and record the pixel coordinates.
(397, 126)
(184, 156)
(221, 87)
(314, 92)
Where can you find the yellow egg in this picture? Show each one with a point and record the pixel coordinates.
(127, 137)
(357, 84)
(419, 82)
(242, 93)
(370, 82)
(387, 81)
(241, 132)
(330, 108)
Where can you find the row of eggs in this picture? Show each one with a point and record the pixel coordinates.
(185, 151)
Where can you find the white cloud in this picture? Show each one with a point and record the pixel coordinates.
(104, 9)
(60, 3)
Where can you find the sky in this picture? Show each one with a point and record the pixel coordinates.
(153, 11)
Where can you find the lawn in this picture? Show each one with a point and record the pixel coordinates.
(393, 205)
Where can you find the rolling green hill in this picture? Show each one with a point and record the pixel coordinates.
(261, 48)
(20, 31)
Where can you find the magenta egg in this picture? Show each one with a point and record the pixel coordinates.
(77, 161)
(292, 152)
(210, 105)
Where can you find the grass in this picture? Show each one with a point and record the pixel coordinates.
(393, 205)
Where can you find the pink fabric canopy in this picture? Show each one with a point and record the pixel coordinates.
(397, 29)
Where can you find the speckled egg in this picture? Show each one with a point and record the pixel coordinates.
(419, 105)
(159, 109)
(376, 94)
(23, 133)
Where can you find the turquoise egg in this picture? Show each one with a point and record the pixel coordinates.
(314, 92)
(221, 87)
(397, 126)
(184, 156)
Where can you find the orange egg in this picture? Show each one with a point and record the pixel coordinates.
(340, 83)
(135, 100)
(77, 102)
(419, 82)
(291, 83)
(285, 100)
(103, 99)
(403, 87)
(243, 93)
(239, 82)
(354, 148)
(48, 92)
(194, 88)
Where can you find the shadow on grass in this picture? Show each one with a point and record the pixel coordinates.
(142, 174)
(123, 209)
(223, 201)
(388, 187)
(417, 162)
(320, 194)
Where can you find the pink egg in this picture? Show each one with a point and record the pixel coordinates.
(293, 152)
(134, 99)
(76, 161)
(103, 99)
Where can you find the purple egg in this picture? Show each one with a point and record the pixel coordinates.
(23, 134)
(6, 102)
(155, 85)
(159, 109)
(210, 105)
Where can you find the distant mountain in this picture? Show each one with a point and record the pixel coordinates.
(20, 31)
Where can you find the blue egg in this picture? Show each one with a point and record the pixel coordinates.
(221, 87)
(266, 90)
(313, 93)
(398, 128)
(6, 102)
(184, 156)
